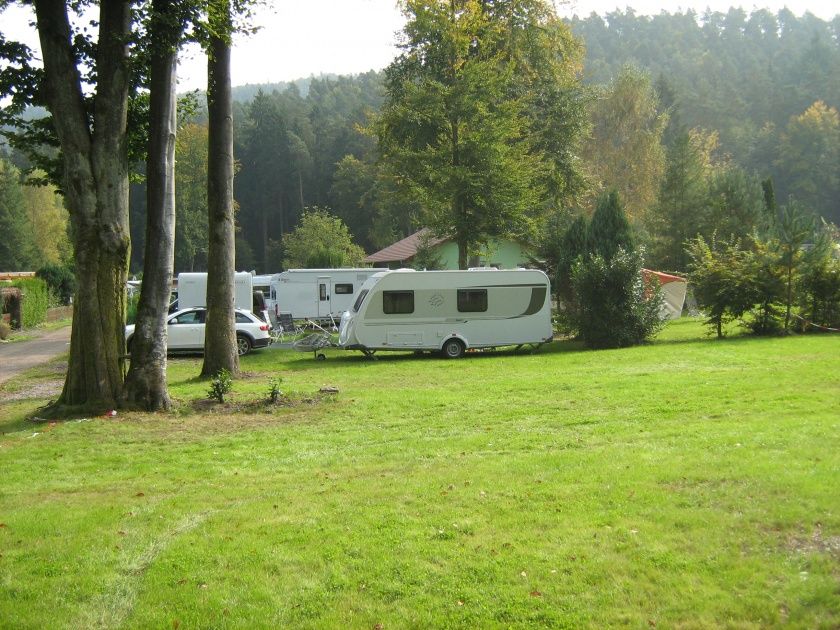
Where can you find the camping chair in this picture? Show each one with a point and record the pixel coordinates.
(286, 328)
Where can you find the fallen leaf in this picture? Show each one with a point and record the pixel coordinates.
(651, 623)
(176, 624)
(536, 594)
(182, 581)
(121, 533)
(202, 586)
(2, 525)
(460, 603)
(140, 494)
(378, 626)
(523, 574)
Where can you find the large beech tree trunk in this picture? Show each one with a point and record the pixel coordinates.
(220, 329)
(96, 193)
(145, 384)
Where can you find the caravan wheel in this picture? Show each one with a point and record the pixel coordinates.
(453, 349)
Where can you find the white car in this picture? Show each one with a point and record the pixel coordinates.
(185, 329)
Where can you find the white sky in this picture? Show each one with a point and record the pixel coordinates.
(299, 38)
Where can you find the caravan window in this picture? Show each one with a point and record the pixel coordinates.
(343, 289)
(397, 302)
(359, 301)
(472, 300)
(322, 292)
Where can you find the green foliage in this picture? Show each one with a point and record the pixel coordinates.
(735, 206)
(819, 288)
(35, 301)
(191, 198)
(792, 229)
(320, 237)
(615, 308)
(426, 257)
(461, 130)
(679, 212)
(609, 230)
(61, 281)
(719, 278)
(220, 386)
(624, 152)
(17, 247)
(746, 75)
(274, 391)
(131, 303)
(765, 277)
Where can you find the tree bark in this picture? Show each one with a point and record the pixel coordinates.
(220, 329)
(145, 384)
(95, 163)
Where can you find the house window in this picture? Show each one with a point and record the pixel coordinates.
(343, 289)
(472, 300)
(397, 302)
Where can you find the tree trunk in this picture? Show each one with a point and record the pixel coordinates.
(95, 176)
(146, 381)
(220, 332)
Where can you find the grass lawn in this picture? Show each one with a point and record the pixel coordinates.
(690, 483)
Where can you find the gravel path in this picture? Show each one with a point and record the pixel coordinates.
(22, 355)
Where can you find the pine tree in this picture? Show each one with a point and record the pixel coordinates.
(609, 228)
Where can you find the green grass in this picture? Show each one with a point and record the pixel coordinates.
(690, 483)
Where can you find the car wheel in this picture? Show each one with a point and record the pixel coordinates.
(453, 349)
(243, 345)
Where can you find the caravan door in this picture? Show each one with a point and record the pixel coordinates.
(324, 296)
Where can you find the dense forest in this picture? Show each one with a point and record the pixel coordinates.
(679, 106)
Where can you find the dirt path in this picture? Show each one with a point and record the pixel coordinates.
(20, 356)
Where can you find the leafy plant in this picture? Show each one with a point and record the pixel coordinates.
(615, 306)
(221, 384)
(5, 329)
(274, 391)
(718, 272)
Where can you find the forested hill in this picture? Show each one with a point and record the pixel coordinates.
(744, 75)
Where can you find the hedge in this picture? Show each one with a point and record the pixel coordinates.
(35, 301)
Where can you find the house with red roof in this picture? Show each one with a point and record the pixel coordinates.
(501, 253)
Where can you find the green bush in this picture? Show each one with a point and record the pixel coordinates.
(221, 385)
(5, 330)
(720, 280)
(60, 280)
(36, 300)
(615, 308)
(820, 293)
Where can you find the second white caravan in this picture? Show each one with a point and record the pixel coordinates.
(450, 311)
(318, 294)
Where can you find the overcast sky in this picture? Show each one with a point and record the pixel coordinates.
(299, 38)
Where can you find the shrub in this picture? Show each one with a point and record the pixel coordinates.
(274, 391)
(5, 329)
(35, 301)
(719, 277)
(60, 280)
(820, 292)
(221, 385)
(615, 308)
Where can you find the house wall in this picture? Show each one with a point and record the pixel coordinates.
(504, 254)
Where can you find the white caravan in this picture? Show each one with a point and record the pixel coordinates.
(192, 290)
(318, 294)
(450, 311)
